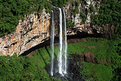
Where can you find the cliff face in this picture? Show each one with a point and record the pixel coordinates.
(74, 11)
(35, 28)
(80, 16)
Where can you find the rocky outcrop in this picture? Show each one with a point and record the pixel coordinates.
(74, 10)
(85, 8)
(33, 30)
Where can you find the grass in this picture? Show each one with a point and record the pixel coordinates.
(96, 46)
(96, 72)
(25, 68)
(103, 50)
(33, 67)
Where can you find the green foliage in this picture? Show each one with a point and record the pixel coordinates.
(83, 16)
(109, 13)
(25, 68)
(103, 50)
(75, 10)
(13, 10)
(96, 72)
(33, 68)
(69, 23)
(97, 47)
(58, 3)
(91, 8)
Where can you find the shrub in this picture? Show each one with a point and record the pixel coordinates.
(13, 10)
(109, 13)
(83, 16)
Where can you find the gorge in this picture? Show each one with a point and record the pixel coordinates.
(60, 40)
(35, 28)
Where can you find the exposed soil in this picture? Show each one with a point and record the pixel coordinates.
(90, 57)
(86, 56)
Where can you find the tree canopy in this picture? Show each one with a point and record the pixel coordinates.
(13, 10)
(109, 13)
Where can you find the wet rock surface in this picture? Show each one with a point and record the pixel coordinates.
(73, 70)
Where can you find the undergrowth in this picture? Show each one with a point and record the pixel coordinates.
(32, 68)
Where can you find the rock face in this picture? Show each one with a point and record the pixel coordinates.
(33, 30)
(85, 9)
(74, 10)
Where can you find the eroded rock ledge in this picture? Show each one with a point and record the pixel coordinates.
(35, 29)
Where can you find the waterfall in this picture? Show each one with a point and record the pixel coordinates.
(62, 60)
(52, 43)
(61, 43)
(65, 45)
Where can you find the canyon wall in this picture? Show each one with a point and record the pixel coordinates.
(80, 15)
(35, 29)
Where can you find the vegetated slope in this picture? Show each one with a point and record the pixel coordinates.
(109, 18)
(25, 68)
(13, 10)
(96, 58)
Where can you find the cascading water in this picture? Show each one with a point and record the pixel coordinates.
(58, 66)
(61, 43)
(52, 44)
(65, 45)
(62, 60)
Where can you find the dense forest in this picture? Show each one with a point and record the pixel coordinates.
(109, 13)
(13, 10)
(108, 47)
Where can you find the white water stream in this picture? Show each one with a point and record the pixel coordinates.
(62, 54)
(65, 45)
(52, 44)
(60, 43)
